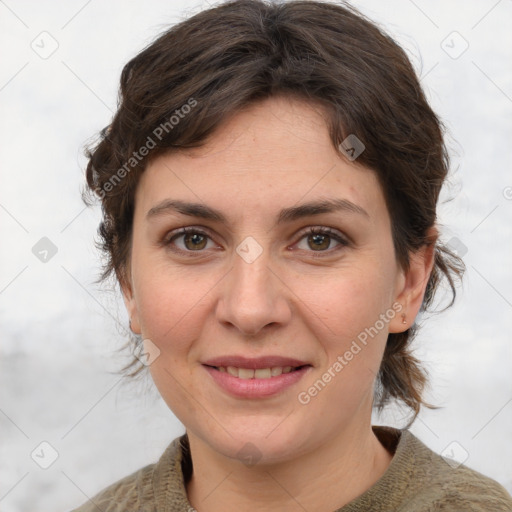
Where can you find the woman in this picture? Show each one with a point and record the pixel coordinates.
(269, 187)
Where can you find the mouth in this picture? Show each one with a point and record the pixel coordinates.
(255, 378)
(257, 373)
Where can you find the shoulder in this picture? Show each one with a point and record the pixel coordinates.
(444, 485)
(145, 489)
(125, 494)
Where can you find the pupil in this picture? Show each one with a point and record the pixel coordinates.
(317, 240)
(196, 239)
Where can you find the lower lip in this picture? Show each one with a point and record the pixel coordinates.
(255, 388)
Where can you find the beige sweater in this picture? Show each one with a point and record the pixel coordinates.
(417, 480)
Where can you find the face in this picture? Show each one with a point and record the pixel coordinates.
(252, 287)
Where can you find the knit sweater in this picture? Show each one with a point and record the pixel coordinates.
(417, 480)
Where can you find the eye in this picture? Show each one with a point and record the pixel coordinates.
(319, 239)
(194, 240)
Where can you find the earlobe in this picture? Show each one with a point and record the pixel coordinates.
(413, 284)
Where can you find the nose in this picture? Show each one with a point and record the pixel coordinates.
(254, 297)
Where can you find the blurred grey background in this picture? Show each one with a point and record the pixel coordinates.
(61, 62)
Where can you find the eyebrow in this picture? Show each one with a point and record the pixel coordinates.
(292, 213)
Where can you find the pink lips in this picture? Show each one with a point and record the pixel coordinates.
(255, 388)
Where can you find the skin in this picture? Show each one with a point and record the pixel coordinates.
(294, 300)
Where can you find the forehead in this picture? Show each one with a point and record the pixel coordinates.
(272, 153)
(275, 126)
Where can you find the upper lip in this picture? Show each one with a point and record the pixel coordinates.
(254, 363)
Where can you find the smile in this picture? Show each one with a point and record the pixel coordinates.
(258, 373)
(255, 383)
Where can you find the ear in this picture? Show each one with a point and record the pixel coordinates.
(130, 302)
(413, 283)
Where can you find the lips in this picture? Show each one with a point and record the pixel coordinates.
(256, 377)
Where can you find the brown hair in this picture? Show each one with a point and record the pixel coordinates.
(178, 90)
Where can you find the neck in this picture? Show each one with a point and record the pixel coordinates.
(347, 465)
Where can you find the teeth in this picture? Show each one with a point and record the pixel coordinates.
(264, 373)
(245, 373)
(232, 371)
(259, 373)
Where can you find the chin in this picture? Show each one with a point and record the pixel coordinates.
(259, 442)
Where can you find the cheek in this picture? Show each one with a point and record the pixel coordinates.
(345, 313)
(346, 302)
(172, 308)
(172, 305)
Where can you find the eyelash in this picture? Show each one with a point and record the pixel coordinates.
(167, 242)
